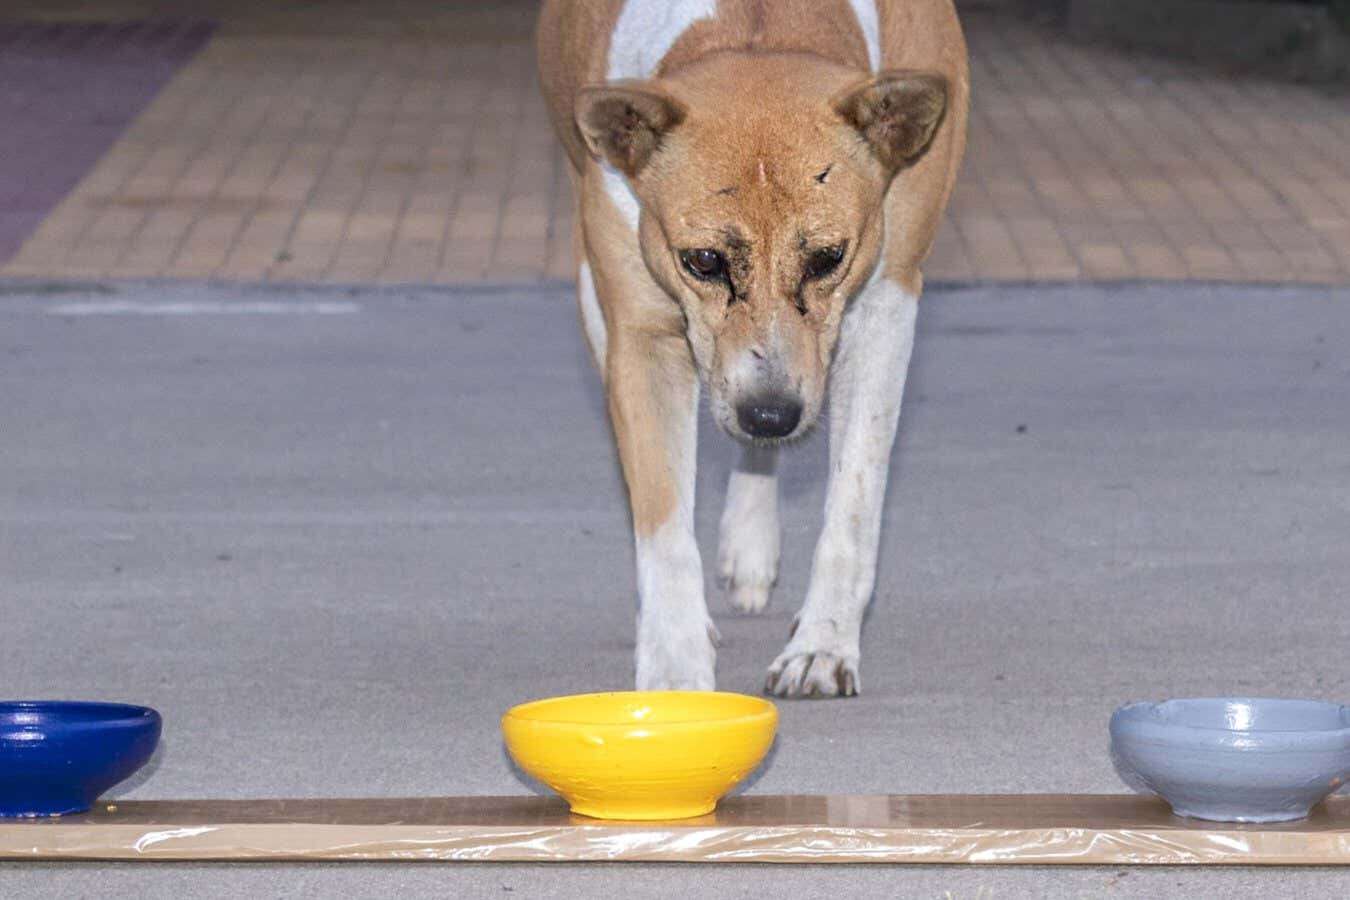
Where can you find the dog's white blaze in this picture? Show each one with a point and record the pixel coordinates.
(592, 319)
(743, 376)
(865, 11)
(647, 29)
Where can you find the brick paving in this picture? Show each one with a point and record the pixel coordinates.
(67, 90)
(406, 142)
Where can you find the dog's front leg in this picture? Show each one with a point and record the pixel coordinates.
(747, 555)
(653, 403)
(866, 387)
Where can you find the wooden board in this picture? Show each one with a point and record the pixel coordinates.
(1024, 828)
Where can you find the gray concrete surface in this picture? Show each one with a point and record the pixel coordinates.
(332, 535)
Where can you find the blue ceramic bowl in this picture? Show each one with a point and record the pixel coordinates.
(56, 757)
(1234, 759)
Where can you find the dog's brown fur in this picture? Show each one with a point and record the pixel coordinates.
(763, 141)
(758, 88)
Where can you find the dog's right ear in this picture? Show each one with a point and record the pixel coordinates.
(623, 123)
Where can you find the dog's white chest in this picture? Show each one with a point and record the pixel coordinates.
(869, 20)
(647, 29)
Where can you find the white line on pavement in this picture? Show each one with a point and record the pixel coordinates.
(205, 308)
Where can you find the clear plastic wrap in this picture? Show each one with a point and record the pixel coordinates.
(1041, 829)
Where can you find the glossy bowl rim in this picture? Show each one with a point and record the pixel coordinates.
(767, 713)
(1133, 722)
(128, 710)
(126, 715)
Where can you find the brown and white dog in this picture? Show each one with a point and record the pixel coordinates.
(757, 184)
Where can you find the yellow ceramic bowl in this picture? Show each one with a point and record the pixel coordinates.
(641, 754)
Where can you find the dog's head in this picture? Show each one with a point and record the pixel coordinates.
(761, 185)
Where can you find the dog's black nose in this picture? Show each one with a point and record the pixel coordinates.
(769, 417)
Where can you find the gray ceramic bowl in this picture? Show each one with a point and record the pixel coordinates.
(1234, 759)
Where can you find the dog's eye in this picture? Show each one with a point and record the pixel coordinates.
(823, 261)
(708, 265)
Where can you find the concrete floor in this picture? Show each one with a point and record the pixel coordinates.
(331, 535)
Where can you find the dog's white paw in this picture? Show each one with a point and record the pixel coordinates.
(683, 659)
(748, 598)
(815, 663)
(747, 561)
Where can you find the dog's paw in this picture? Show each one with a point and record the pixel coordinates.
(748, 598)
(683, 661)
(747, 565)
(814, 666)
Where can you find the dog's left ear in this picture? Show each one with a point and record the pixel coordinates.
(897, 113)
(623, 123)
